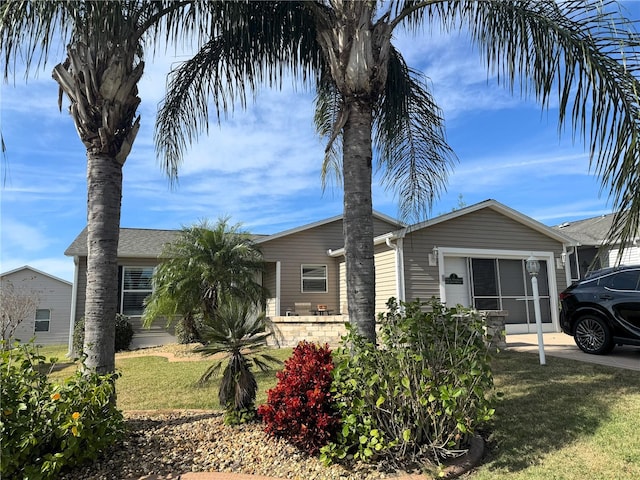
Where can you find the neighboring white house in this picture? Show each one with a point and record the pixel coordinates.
(49, 317)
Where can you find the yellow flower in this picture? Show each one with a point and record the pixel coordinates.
(74, 430)
(55, 396)
(75, 415)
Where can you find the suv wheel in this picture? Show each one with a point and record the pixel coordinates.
(593, 336)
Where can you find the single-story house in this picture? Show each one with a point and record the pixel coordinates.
(474, 256)
(595, 250)
(138, 254)
(45, 302)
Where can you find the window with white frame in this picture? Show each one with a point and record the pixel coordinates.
(314, 278)
(136, 286)
(43, 320)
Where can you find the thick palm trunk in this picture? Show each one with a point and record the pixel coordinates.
(104, 194)
(358, 219)
(100, 78)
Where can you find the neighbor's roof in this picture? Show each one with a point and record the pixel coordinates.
(590, 231)
(35, 270)
(133, 242)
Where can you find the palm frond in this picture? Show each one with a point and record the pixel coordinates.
(409, 134)
(253, 44)
(329, 120)
(585, 54)
(266, 362)
(210, 372)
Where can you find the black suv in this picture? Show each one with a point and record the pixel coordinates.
(603, 310)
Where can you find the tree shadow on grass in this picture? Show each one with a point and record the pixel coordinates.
(544, 408)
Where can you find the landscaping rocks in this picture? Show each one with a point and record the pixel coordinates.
(163, 443)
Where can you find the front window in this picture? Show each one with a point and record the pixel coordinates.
(314, 278)
(43, 319)
(136, 286)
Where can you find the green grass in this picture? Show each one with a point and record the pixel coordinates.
(155, 383)
(55, 351)
(566, 420)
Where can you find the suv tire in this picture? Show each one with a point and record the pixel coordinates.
(593, 335)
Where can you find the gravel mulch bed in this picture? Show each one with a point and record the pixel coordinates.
(162, 443)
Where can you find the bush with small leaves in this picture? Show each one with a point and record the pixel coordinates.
(46, 427)
(428, 386)
(124, 334)
(300, 407)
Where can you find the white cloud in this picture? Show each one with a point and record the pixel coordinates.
(25, 236)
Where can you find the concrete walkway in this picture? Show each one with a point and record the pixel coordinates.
(561, 345)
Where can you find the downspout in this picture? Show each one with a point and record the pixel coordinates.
(567, 264)
(74, 302)
(399, 267)
(278, 273)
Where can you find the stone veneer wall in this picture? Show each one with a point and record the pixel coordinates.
(316, 329)
(495, 321)
(330, 329)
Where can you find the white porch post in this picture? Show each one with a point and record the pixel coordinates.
(277, 305)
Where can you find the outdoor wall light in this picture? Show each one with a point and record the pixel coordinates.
(433, 257)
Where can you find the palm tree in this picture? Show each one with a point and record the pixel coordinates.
(583, 51)
(240, 332)
(203, 267)
(105, 42)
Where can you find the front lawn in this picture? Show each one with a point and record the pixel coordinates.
(566, 420)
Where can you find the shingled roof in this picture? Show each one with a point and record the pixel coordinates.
(590, 231)
(133, 243)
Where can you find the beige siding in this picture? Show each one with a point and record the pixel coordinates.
(53, 295)
(484, 229)
(386, 278)
(307, 247)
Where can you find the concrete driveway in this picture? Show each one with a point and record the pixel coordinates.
(561, 345)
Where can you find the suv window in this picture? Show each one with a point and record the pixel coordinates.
(625, 280)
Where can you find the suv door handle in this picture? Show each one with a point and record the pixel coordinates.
(606, 297)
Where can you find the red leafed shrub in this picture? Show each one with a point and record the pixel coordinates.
(300, 407)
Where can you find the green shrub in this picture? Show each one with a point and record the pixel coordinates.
(124, 334)
(46, 427)
(427, 387)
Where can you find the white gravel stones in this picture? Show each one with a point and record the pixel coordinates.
(161, 443)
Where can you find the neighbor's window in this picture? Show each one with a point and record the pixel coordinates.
(43, 319)
(314, 278)
(136, 286)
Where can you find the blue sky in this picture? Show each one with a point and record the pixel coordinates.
(261, 166)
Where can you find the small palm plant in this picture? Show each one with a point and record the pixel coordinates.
(239, 331)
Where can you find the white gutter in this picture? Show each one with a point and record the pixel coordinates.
(74, 303)
(376, 241)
